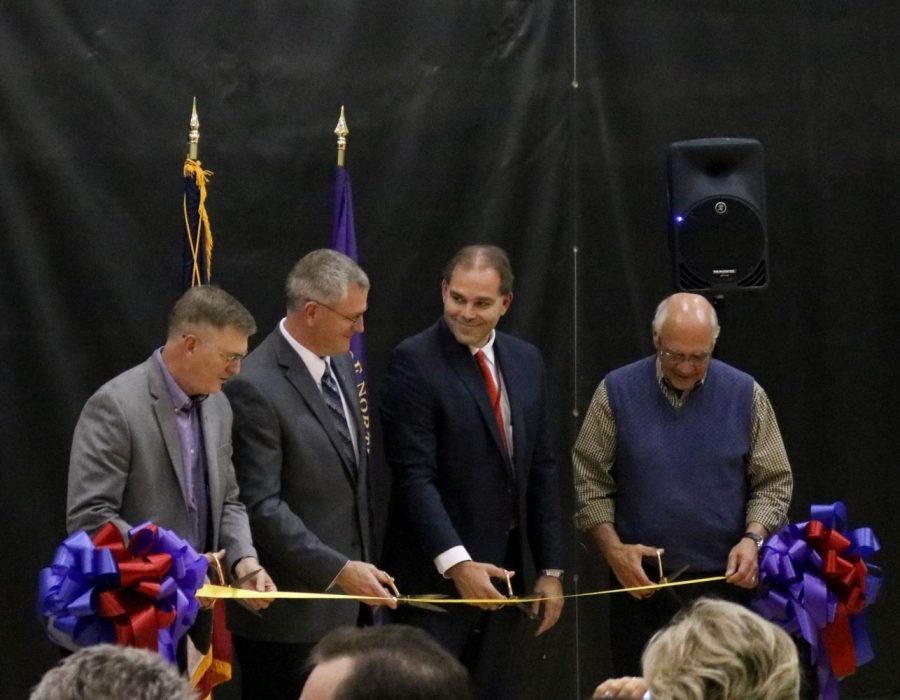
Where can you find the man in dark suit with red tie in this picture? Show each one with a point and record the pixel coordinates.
(475, 492)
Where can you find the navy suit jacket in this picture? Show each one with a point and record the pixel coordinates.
(452, 483)
(308, 506)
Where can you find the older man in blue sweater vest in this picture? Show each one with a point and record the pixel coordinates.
(680, 453)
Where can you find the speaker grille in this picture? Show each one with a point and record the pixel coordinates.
(721, 244)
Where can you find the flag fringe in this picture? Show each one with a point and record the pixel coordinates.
(193, 169)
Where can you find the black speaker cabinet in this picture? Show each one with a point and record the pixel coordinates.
(717, 215)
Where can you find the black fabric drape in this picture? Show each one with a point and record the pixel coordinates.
(538, 125)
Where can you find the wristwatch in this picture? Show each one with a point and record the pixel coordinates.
(757, 539)
(555, 573)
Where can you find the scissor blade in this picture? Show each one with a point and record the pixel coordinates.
(416, 602)
(243, 579)
(678, 573)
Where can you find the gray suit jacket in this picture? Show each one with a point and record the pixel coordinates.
(126, 464)
(308, 506)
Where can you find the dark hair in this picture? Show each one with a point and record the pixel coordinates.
(395, 662)
(211, 306)
(482, 255)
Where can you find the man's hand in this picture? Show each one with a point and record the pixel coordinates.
(547, 587)
(260, 582)
(625, 561)
(473, 580)
(624, 687)
(363, 579)
(743, 564)
(214, 562)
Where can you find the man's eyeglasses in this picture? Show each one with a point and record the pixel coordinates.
(677, 358)
(228, 357)
(353, 319)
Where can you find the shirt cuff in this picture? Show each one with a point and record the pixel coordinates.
(450, 558)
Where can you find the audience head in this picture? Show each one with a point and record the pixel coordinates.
(109, 672)
(717, 650)
(395, 662)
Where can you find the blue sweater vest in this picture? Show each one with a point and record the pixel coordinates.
(681, 472)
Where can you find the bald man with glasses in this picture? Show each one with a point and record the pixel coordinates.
(679, 465)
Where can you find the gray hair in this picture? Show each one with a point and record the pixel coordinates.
(110, 672)
(706, 313)
(212, 306)
(718, 650)
(323, 275)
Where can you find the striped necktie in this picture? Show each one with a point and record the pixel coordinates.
(336, 410)
(493, 394)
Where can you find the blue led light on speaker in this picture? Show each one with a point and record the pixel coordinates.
(679, 219)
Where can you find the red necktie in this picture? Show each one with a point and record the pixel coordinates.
(494, 395)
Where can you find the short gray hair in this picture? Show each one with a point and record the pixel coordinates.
(110, 672)
(718, 650)
(212, 306)
(323, 275)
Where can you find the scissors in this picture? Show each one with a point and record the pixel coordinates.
(236, 583)
(414, 600)
(524, 607)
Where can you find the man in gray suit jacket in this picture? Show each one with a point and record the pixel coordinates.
(154, 443)
(301, 462)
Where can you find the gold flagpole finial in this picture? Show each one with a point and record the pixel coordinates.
(194, 133)
(342, 132)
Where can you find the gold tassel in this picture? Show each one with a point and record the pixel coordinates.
(192, 168)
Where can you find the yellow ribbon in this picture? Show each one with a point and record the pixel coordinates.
(220, 592)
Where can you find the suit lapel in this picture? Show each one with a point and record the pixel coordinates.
(461, 361)
(343, 372)
(298, 376)
(165, 417)
(515, 384)
(210, 424)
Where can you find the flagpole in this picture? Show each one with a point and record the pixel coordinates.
(342, 132)
(194, 132)
(199, 244)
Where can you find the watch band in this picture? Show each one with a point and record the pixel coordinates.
(757, 539)
(555, 573)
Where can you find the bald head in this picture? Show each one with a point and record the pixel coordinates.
(685, 329)
(685, 310)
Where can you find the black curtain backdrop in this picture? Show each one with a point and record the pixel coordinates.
(537, 125)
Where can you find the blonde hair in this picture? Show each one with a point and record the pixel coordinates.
(717, 650)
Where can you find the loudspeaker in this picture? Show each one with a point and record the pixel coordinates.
(717, 215)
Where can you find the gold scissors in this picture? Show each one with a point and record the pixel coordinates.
(524, 607)
(671, 577)
(414, 600)
(216, 568)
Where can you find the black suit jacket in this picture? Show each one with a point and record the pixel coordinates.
(308, 506)
(452, 483)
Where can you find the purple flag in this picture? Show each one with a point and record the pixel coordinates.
(343, 240)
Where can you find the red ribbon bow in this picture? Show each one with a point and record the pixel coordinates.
(845, 576)
(133, 606)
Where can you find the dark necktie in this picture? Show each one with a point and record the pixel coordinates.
(494, 394)
(336, 410)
